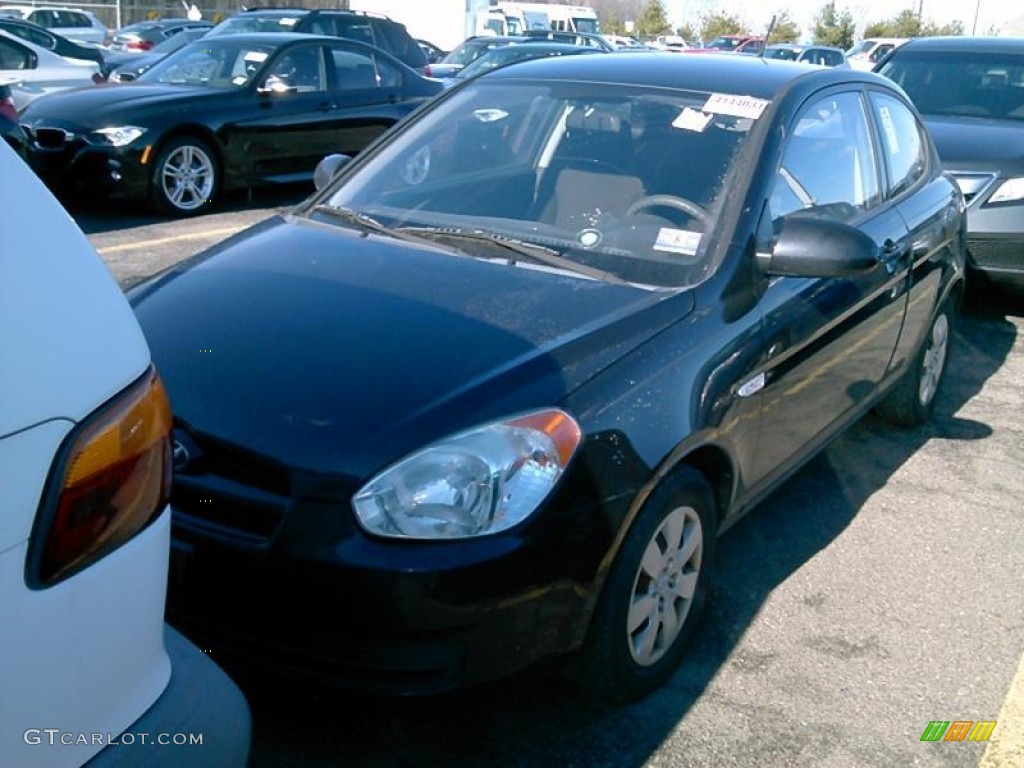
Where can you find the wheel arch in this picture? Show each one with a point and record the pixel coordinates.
(195, 131)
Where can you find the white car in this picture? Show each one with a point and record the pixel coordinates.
(871, 50)
(90, 671)
(72, 23)
(32, 71)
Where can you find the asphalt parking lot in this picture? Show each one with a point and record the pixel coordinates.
(878, 590)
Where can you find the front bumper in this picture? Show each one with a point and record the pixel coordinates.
(995, 231)
(200, 700)
(67, 162)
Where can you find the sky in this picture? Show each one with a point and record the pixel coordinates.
(759, 14)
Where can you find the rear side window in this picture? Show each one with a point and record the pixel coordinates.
(902, 142)
(43, 18)
(13, 56)
(833, 58)
(36, 36)
(355, 70)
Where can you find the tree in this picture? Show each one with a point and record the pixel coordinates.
(906, 24)
(785, 29)
(612, 23)
(713, 25)
(653, 20)
(833, 27)
(688, 33)
(953, 29)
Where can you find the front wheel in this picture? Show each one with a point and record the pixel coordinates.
(185, 177)
(653, 594)
(911, 401)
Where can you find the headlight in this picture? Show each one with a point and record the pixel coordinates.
(474, 483)
(1011, 189)
(121, 135)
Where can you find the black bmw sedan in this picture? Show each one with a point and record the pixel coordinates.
(490, 396)
(221, 114)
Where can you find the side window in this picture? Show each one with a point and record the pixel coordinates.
(395, 39)
(299, 68)
(46, 19)
(902, 144)
(828, 163)
(880, 52)
(70, 19)
(388, 74)
(13, 56)
(354, 70)
(355, 28)
(833, 58)
(322, 26)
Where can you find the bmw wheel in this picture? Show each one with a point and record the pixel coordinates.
(653, 594)
(911, 401)
(185, 177)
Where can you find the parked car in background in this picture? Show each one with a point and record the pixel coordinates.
(821, 55)
(679, 278)
(31, 71)
(590, 40)
(372, 29)
(671, 43)
(870, 51)
(146, 35)
(732, 44)
(124, 66)
(73, 23)
(85, 456)
(469, 50)
(970, 92)
(222, 113)
(432, 52)
(44, 38)
(510, 54)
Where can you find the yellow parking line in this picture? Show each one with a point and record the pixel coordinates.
(1006, 748)
(222, 232)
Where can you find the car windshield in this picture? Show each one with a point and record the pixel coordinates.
(604, 179)
(587, 25)
(224, 63)
(468, 52)
(179, 40)
(786, 54)
(499, 57)
(862, 47)
(961, 83)
(244, 23)
(725, 43)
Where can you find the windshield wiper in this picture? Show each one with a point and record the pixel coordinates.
(534, 252)
(369, 224)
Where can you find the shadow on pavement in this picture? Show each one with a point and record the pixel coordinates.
(535, 720)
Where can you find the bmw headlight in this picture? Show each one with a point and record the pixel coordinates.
(120, 135)
(1011, 189)
(474, 483)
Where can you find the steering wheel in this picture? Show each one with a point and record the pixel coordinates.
(671, 201)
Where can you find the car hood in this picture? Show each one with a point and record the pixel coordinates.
(95, 104)
(336, 352)
(979, 144)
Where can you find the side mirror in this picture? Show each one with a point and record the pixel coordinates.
(808, 246)
(327, 169)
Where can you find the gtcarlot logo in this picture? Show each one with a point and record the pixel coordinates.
(69, 738)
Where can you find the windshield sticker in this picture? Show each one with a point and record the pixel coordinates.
(490, 115)
(890, 130)
(736, 106)
(256, 56)
(677, 241)
(288, 22)
(693, 120)
(240, 80)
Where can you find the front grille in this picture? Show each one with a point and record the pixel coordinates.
(51, 138)
(997, 254)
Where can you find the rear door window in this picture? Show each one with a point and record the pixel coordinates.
(902, 142)
(14, 56)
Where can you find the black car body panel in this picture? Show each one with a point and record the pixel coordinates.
(366, 347)
(968, 92)
(258, 138)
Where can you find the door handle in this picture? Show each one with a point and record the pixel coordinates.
(327, 106)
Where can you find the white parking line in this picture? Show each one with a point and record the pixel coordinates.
(1006, 748)
(142, 244)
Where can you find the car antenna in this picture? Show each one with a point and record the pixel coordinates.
(767, 37)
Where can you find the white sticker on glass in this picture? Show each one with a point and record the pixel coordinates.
(256, 56)
(890, 130)
(677, 241)
(736, 106)
(693, 120)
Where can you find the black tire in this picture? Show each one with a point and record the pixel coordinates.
(186, 177)
(911, 401)
(615, 663)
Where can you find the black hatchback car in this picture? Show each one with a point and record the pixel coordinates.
(970, 92)
(372, 29)
(490, 396)
(225, 113)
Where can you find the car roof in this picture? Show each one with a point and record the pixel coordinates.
(966, 44)
(746, 75)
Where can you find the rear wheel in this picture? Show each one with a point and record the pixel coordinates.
(911, 401)
(185, 176)
(654, 593)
